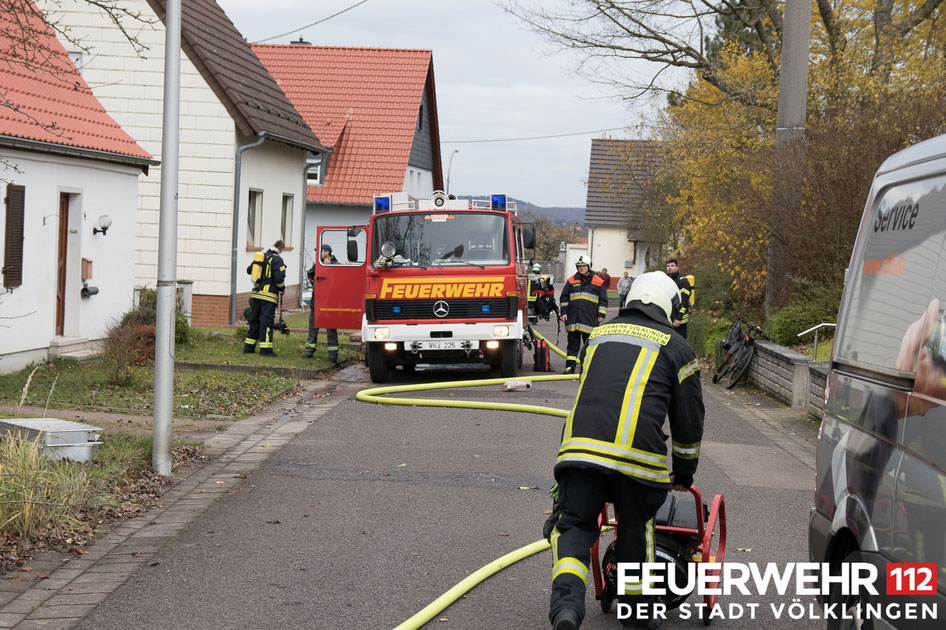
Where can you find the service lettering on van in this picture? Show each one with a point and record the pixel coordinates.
(892, 265)
(901, 217)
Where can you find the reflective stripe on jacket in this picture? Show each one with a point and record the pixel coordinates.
(583, 300)
(636, 372)
(275, 272)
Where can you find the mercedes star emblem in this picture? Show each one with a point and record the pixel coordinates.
(441, 308)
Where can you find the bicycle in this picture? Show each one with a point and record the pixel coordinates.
(738, 349)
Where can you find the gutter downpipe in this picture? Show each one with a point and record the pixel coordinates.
(237, 171)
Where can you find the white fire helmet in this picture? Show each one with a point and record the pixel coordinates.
(656, 287)
(582, 260)
(536, 268)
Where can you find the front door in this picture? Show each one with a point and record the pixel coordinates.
(338, 292)
(61, 263)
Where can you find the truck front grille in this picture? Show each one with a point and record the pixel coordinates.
(456, 309)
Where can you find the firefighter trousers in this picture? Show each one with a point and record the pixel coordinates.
(573, 350)
(582, 494)
(262, 316)
(331, 336)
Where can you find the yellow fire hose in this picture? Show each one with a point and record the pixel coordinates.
(377, 395)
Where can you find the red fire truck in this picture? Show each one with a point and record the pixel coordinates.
(439, 280)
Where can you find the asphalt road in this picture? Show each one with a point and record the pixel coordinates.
(374, 511)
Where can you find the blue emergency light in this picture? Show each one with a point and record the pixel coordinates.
(497, 202)
(396, 309)
(382, 203)
(485, 308)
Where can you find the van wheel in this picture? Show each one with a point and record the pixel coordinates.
(378, 366)
(848, 603)
(509, 361)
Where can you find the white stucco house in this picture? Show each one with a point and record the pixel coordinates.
(243, 146)
(618, 205)
(69, 178)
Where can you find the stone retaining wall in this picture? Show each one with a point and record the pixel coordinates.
(781, 372)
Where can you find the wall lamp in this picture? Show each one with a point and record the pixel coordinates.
(104, 223)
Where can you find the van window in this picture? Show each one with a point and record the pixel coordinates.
(893, 276)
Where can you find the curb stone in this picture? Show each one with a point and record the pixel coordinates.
(74, 587)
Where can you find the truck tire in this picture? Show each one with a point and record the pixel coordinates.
(509, 361)
(378, 366)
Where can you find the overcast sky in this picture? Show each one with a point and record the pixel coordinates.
(495, 79)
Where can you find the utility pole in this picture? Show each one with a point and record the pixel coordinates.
(167, 246)
(789, 147)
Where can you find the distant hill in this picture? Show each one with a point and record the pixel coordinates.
(558, 215)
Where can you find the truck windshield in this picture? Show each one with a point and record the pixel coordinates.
(442, 239)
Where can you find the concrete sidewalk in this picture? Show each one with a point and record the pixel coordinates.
(59, 591)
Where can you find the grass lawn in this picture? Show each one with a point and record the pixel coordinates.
(201, 394)
(225, 346)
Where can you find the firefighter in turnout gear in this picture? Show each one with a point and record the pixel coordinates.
(584, 304)
(637, 372)
(331, 334)
(682, 317)
(269, 273)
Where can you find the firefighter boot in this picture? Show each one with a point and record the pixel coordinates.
(267, 352)
(566, 619)
(333, 356)
(249, 348)
(309, 353)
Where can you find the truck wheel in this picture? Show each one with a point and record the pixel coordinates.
(509, 360)
(378, 366)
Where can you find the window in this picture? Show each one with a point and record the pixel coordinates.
(13, 243)
(254, 219)
(896, 274)
(420, 119)
(76, 57)
(285, 224)
(313, 170)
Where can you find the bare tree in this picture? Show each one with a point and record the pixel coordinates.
(609, 36)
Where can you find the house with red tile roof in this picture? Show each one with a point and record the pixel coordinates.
(69, 178)
(243, 146)
(376, 111)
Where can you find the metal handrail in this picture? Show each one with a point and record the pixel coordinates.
(814, 351)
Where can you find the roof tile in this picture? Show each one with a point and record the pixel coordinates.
(619, 174)
(362, 102)
(245, 88)
(45, 96)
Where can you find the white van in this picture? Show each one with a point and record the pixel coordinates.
(880, 493)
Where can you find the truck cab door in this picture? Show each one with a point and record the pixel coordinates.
(338, 292)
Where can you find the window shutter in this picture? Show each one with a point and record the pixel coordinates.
(13, 243)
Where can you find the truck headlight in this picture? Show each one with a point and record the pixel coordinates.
(387, 249)
(500, 331)
(382, 333)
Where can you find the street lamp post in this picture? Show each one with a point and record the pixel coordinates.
(450, 166)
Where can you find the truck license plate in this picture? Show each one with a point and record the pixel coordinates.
(443, 344)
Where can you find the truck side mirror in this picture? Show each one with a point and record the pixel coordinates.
(528, 235)
(352, 250)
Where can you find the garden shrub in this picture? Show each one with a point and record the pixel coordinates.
(145, 314)
(784, 326)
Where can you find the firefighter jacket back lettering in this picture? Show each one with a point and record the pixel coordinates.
(636, 373)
